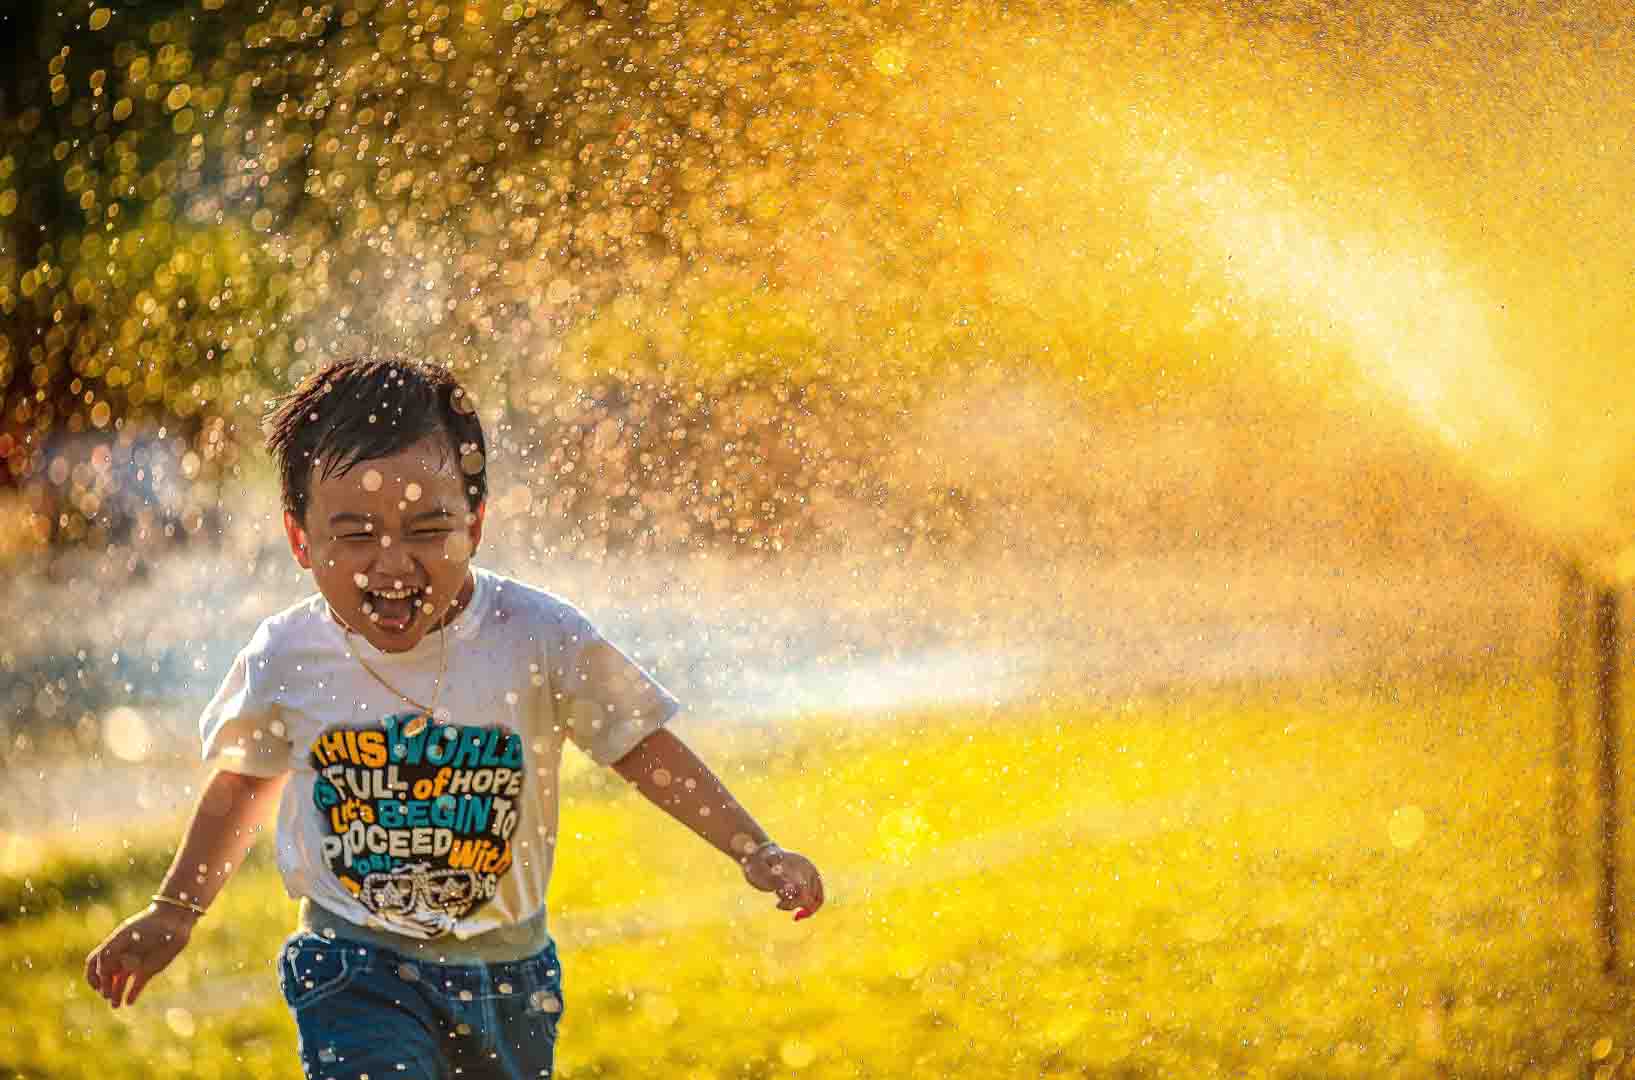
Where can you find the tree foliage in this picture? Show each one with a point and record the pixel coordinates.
(203, 198)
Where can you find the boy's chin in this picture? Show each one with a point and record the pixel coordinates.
(391, 639)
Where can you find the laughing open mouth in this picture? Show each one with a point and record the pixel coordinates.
(394, 609)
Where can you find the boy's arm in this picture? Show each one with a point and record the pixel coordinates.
(223, 828)
(671, 777)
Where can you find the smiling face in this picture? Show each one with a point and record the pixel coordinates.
(390, 541)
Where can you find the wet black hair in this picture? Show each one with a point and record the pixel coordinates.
(366, 407)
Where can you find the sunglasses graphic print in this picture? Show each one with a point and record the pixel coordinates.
(418, 887)
(418, 826)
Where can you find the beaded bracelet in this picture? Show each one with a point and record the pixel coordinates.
(185, 905)
(762, 846)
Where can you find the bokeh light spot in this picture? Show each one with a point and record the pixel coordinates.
(1407, 826)
(797, 1053)
(125, 733)
(891, 60)
(180, 1021)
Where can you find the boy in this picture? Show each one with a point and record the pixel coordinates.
(411, 714)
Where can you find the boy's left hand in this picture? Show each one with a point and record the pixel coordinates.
(789, 874)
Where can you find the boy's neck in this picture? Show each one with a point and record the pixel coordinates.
(468, 588)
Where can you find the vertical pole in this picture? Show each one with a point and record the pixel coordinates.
(1569, 645)
(1606, 687)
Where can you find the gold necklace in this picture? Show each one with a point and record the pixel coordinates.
(417, 723)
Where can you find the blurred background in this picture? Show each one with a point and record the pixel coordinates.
(850, 362)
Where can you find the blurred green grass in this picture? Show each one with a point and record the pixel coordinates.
(1278, 881)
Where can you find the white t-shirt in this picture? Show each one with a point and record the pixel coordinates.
(451, 829)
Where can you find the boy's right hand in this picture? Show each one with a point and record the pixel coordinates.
(139, 948)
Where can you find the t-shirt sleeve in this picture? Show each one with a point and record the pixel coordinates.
(604, 701)
(240, 726)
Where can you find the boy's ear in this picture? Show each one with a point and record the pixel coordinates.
(298, 540)
(474, 529)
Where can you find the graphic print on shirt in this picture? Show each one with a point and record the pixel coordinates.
(418, 827)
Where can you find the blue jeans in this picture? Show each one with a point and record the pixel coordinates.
(365, 1011)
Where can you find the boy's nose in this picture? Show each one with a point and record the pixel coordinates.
(392, 557)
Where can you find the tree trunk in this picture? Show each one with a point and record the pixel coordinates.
(1569, 645)
(1606, 685)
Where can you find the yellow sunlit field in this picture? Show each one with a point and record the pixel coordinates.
(1274, 880)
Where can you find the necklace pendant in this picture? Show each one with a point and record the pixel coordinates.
(441, 714)
(416, 724)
